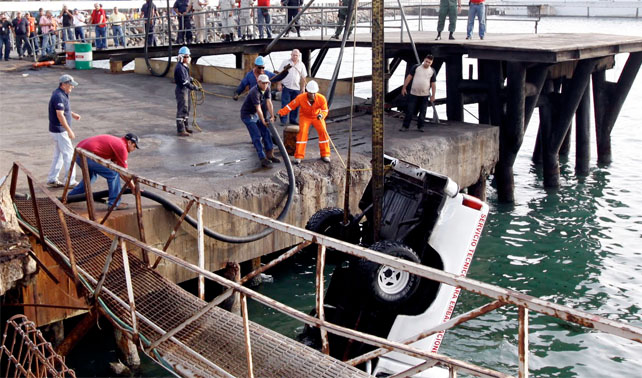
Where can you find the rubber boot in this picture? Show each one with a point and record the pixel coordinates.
(270, 155)
(186, 123)
(180, 128)
(438, 36)
(450, 36)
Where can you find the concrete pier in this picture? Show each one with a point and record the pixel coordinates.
(219, 162)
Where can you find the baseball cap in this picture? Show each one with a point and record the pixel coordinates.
(133, 138)
(67, 79)
(263, 78)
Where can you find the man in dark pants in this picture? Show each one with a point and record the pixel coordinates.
(343, 16)
(184, 86)
(256, 120)
(5, 37)
(184, 21)
(294, 7)
(21, 31)
(421, 79)
(149, 10)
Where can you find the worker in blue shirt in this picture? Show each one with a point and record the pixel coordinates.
(181, 8)
(250, 79)
(184, 86)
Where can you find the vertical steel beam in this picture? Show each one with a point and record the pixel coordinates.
(377, 114)
(454, 99)
(246, 332)
(325, 346)
(201, 249)
(139, 217)
(523, 342)
(583, 134)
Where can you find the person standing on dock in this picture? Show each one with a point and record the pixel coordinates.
(150, 14)
(5, 37)
(48, 26)
(181, 8)
(251, 78)
(450, 8)
(112, 148)
(246, 16)
(60, 116)
(99, 19)
(198, 7)
(476, 8)
(264, 18)
(342, 17)
(184, 88)
(291, 85)
(79, 26)
(116, 19)
(256, 120)
(314, 111)
(67, 21)
(422, 82)
(226, 13)
(294, 7)
(21, 33)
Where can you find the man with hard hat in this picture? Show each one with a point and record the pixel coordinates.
(60, 116)
(250, 79)
(256, 120)
(313, 111)
(184, 86)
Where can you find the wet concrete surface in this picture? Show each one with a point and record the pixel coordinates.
(220, 161)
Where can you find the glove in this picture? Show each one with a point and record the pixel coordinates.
(319, 116)
(235, 97)
(287, 67)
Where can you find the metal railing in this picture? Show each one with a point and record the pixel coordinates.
(24, 352)
(500, 297)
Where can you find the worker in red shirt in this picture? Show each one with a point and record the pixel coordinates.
(99, 19)
(112, 148)
(314, 110)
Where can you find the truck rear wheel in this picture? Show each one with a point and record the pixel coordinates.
(388, 285)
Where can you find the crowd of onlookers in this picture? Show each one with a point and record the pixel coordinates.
(44, 32)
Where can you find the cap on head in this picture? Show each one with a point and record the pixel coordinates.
(67, 79)
(184, 51)
(133, 138)
(259, 61)
(312, 87)
(263, 78)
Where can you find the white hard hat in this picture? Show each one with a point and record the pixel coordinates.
(263, 78)
(312, 87)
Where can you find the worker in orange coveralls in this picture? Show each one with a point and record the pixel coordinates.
(314, 110)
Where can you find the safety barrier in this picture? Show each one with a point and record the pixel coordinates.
(500, 297)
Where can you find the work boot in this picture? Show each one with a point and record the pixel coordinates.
(450, 36)
(266, 163)
(186, 123)
(438, 36)
(180, 128)
(270, 156)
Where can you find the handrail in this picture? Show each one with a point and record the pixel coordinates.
(502, 296)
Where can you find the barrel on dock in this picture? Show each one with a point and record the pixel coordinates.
(289, 138)
(70, 54)
(83, 56)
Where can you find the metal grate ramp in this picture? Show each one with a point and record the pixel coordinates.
(217, 336)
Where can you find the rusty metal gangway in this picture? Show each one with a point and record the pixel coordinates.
(192, 337)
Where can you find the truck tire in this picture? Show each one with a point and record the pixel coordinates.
(387, 285)
(326, 221)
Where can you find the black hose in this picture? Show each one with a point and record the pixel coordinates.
(225, 238)
(169, 46)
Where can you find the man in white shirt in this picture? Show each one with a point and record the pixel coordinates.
(290, 87)
(422, 77)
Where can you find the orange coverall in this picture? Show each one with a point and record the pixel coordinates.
(308, 116)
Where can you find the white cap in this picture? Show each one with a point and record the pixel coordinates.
(312, 87)
(263, 78)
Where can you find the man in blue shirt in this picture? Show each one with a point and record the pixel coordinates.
(149, 11)
(60, 116)
(21, 31)
(256, 120)
(184, 86)
(184, 21)
(250, 79)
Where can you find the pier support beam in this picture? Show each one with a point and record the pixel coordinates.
(583, 135)
(454, 100)
(479, 188)
(608, 99)
(511, 132)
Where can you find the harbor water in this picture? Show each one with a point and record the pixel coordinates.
(578, 245)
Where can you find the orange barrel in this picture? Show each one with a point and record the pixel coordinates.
(70, 56)
(289, 138)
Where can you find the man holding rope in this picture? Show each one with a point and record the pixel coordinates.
(256, 120)
(184, 86)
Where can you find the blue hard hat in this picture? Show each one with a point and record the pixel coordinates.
(259, 61)
(183, 51)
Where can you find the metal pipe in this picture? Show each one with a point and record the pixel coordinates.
(172, 236)
(201, 250)
(289, 25)
(139, 217)
(130, 289)
(103, 274)
(337, 66)
(523, 342)
(246, 334)
(70, 249)
(87, 182)
(412, 41)
(113, 205)
(325, 346)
